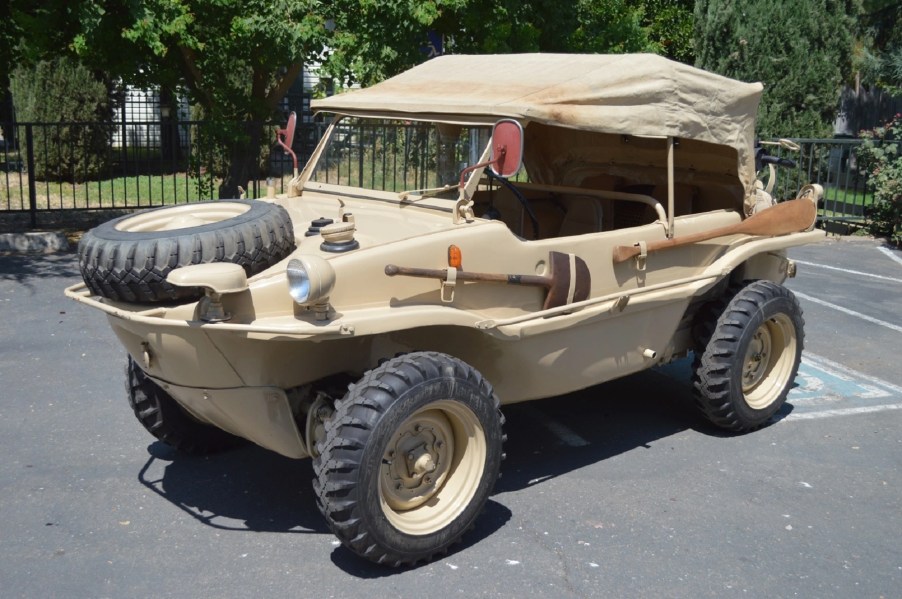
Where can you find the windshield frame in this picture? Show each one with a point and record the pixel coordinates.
(448, 192)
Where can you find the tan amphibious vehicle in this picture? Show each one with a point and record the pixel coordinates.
(477, 231)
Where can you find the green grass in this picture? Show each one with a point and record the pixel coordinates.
(120, 192)
(848, 196)
(846, 203)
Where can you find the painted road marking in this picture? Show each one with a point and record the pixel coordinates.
(841, 412)
(826, 388)
(848, 271)
(871, 319)
(890, 254)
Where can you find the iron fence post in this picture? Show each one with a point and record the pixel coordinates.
(32, 191)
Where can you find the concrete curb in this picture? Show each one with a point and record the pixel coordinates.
(46, 242)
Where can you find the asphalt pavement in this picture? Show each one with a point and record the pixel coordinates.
(621, 490)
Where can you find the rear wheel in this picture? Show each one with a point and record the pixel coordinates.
(163, 418)
(410, 458)
(752, 357)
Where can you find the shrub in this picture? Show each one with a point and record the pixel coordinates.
(63, 92)
(881, 157)
(215, 147)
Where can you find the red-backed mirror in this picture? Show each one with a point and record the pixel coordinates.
(507, 151)
(285, 137)
(507, 148)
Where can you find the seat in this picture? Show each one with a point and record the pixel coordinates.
(585, 214)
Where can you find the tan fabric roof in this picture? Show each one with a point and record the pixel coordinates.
(635, 94)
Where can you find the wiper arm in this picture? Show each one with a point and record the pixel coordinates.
(426, 193)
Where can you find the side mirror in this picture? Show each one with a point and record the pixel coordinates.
(507, 148)
(507, 151)
(285, 137)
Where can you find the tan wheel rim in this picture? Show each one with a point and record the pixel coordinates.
(769, 361)
(182, 217)
(432, 467)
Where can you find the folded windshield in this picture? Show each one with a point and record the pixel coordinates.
(398, 156)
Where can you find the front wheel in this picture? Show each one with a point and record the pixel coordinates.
(752, 357)
(410, 458)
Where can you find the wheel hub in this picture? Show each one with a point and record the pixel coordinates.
(769, 362)
(758, 358)
(417, 460)
(182, 217)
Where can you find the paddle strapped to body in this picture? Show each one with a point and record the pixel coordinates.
(787, 217)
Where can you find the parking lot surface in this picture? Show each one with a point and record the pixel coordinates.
(619, 490)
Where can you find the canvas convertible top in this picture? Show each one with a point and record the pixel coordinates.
(631, 94)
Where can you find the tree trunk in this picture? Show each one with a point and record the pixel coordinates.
(244, 162)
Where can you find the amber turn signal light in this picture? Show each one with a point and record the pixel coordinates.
(455, 258)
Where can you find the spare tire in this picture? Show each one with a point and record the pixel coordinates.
(128, 258)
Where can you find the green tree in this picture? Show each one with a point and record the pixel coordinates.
(881, 157)
(376, 39)
(9, 52)
(670, 25)
(63, 91)
(235, 58)
(801, 51)
(879, 56)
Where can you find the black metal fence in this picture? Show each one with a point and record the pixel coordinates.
(47, 167)
(832, 163)
(124, 165)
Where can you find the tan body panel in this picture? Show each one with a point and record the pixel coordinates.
(612, 159)
(496, 328)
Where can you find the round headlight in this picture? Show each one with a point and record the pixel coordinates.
(310, 279)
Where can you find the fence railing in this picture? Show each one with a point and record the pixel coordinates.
(833, 164)
(47, 167)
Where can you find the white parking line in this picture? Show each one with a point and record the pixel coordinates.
(824, 383)
(890, 254)
(850, 272)
(841, 369)
(841, 412)
(871, 319)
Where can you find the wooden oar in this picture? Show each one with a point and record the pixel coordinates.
(564, 285)
(786, 217)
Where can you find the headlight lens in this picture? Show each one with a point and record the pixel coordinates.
(310, 279)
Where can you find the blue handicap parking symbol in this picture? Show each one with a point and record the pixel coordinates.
(823, 388)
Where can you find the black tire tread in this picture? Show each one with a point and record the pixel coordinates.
(163, 418)
(133, 268)
(713, 367)
(342, 451)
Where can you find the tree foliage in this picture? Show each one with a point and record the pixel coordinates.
(235, 58)
(801, 51)
(881, 156)
(670, 26)
(879, 56)
(374, 39)
(65, 92)
(9, 40)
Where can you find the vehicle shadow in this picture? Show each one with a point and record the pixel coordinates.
(22, 266)
(551, 437)
(246, 489)
(252, 489)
